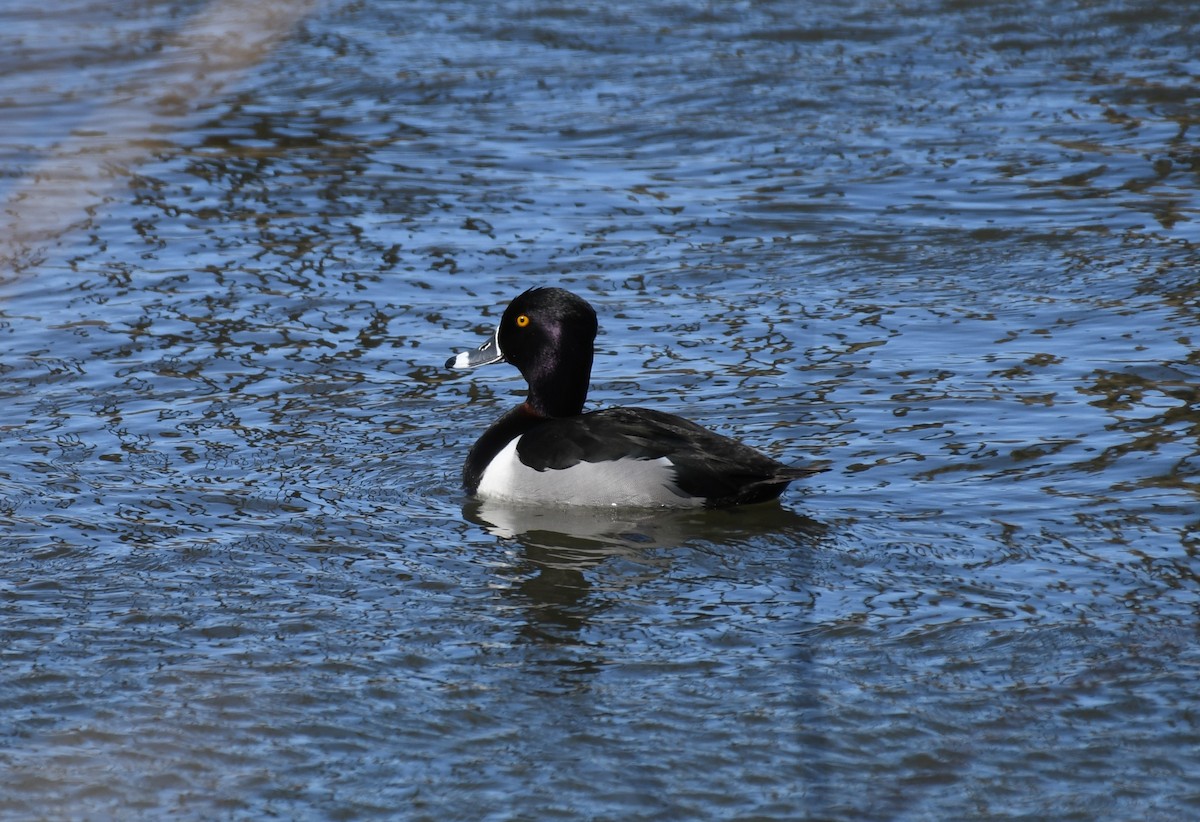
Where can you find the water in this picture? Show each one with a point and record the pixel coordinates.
(948, 247)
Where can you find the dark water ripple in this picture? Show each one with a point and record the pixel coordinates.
(948, 247)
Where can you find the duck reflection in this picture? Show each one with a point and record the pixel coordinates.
(563, 551)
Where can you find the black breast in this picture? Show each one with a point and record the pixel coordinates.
(513, 424)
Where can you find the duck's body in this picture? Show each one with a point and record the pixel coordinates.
(547, 451)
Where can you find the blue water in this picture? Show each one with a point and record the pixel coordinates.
(948, 248)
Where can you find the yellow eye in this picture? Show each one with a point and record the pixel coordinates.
(522, 321)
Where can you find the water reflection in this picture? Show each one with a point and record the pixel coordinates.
(559, 554)
(156, 97)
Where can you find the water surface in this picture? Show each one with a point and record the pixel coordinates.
(949, 248)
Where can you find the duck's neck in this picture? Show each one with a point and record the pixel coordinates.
(559, 392)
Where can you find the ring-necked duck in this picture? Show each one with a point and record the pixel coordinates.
(547, 451)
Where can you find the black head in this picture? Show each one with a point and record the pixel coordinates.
(549, 334)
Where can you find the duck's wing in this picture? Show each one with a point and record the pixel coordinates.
(705, 464)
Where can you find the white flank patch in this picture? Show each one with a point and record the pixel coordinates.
(616, 483)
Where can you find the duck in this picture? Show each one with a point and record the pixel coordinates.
(549, 451)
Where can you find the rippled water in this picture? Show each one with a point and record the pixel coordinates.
(948, 247)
